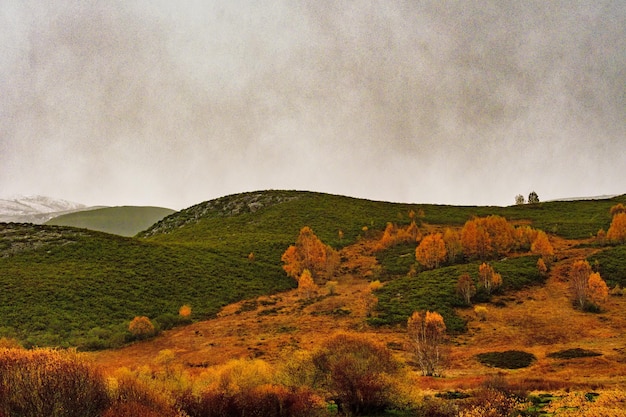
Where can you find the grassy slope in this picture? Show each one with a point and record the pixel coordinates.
(66, 290)
(123, 221)
(83, 288)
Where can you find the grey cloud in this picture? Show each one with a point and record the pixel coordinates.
(407, 101)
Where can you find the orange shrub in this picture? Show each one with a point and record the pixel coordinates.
(185, 311)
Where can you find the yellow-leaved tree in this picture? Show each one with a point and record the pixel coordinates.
(306, 285)
(431, 251)
(587, 287)
(466, 288)
(428, 334)
(542, 246)
(489, 279)
(310, 253)
(617, 230)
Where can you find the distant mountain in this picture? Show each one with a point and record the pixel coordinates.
(123, 221)
(35, 208)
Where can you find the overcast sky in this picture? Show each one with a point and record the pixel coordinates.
(172, 103)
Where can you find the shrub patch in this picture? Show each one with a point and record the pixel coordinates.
(573, 353)
(510, 359)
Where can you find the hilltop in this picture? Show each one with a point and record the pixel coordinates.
(123, 221)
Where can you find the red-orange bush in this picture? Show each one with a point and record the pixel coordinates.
(264, 400)
(357, 372)
(45, 382)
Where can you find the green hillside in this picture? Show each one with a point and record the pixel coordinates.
(67, 286)
(123, 221)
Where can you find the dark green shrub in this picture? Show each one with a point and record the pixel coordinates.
(573, 353)
(509, 359)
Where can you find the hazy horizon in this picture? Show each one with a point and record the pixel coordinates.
(154, 103)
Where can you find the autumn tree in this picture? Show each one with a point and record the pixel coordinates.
(475, 240)
(310, 253)
(452, 240)
(588, 288)
(617, 230)
(618, 208)
(519, 199)
(524, 236)
(489, 279)
(466, 288)
(141, 327)
(542, 246)
(427, 332)
(501, 233)
(306, 285)
(431, 251)
(598, 290)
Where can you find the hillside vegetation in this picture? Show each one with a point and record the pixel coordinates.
(72, 287)
(123, 221)
(495, 324)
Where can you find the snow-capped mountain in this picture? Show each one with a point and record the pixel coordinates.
(35, 208)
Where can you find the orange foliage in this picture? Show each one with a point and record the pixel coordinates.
(428, 332)
(597, 288)
(524, 236)
(452, 240)
(466, 288)
(487, 237)
(310, 253)
(306, 285)
(394, 235)
(141, 327)
(617, 209)
(185, 311)
(587, 286)
(617, 230)
(542, 246)
(489, 278)
(578, 278)
(431, 251)
(501, 234)
(475, 240)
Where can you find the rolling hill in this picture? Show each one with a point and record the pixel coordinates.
(74, 287)
(123, 221)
